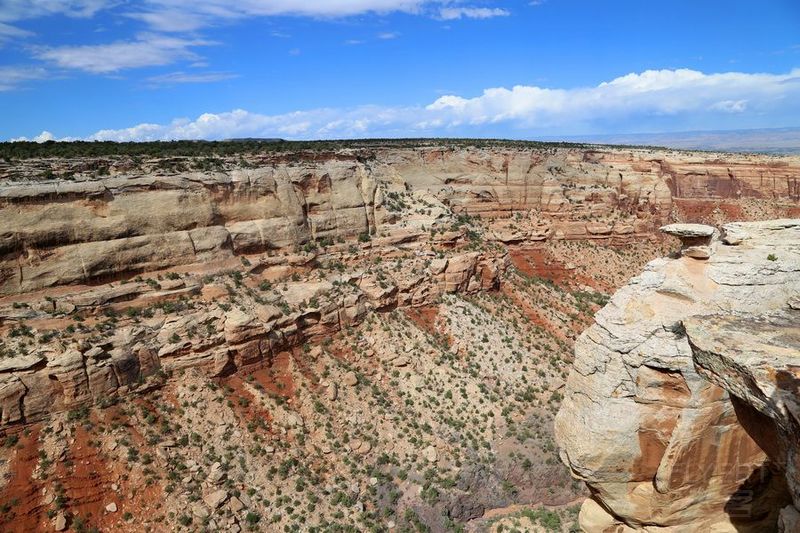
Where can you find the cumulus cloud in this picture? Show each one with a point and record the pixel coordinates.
(681, 95)
(146, 50)
(42, 137)
(241, 123)
(653, 92)
(454, 13)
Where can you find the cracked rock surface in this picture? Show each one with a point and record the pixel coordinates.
(659, 441)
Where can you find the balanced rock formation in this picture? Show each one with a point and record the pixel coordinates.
(665, 445)
(695, 238)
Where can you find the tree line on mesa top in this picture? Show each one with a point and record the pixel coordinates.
(64, 149)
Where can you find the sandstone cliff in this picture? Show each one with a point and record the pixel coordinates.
(678, 421)
(59, 375)
(139, 219)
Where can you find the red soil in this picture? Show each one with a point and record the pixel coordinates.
(424, 317)
(532, 313)
(277, 377)
(540, 262)
(87, 483)
(22, 493)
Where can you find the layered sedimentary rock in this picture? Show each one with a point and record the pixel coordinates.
(662, 444)
(64, 232)
(58, 375)
(89, 229)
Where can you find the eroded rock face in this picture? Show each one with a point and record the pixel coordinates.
(756, 358)
(58, 232)
(57, 376)
(661, 447)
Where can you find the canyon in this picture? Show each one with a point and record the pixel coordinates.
(378, 337)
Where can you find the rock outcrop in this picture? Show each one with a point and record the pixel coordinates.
(695, 238)
(59, 375)
(756, 359)
(663, 407)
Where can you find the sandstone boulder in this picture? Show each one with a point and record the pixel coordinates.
(695, 239)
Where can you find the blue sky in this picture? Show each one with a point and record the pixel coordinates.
(160, 69)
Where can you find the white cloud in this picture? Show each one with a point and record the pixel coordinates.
(11, 10)
(180, 15)
(453, 13)
(680, 96)
(731, 106)
(7, 31)
(653, 92)
(388, 35)
(183, 16)
(12, 77)
(241, 123)
(180, 77)
(42, 137)
(171, 20)
(146, 50)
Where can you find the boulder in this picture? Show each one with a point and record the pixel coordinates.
(689, 231)
(60, 523)
(350, 379)
(216, 498)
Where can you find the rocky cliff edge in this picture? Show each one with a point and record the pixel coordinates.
(681, 409)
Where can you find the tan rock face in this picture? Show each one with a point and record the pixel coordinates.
(660, 445)
(63, 232)
(756, 358)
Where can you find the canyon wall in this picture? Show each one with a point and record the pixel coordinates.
(179, 323)
(680, 421)
(141, 219)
